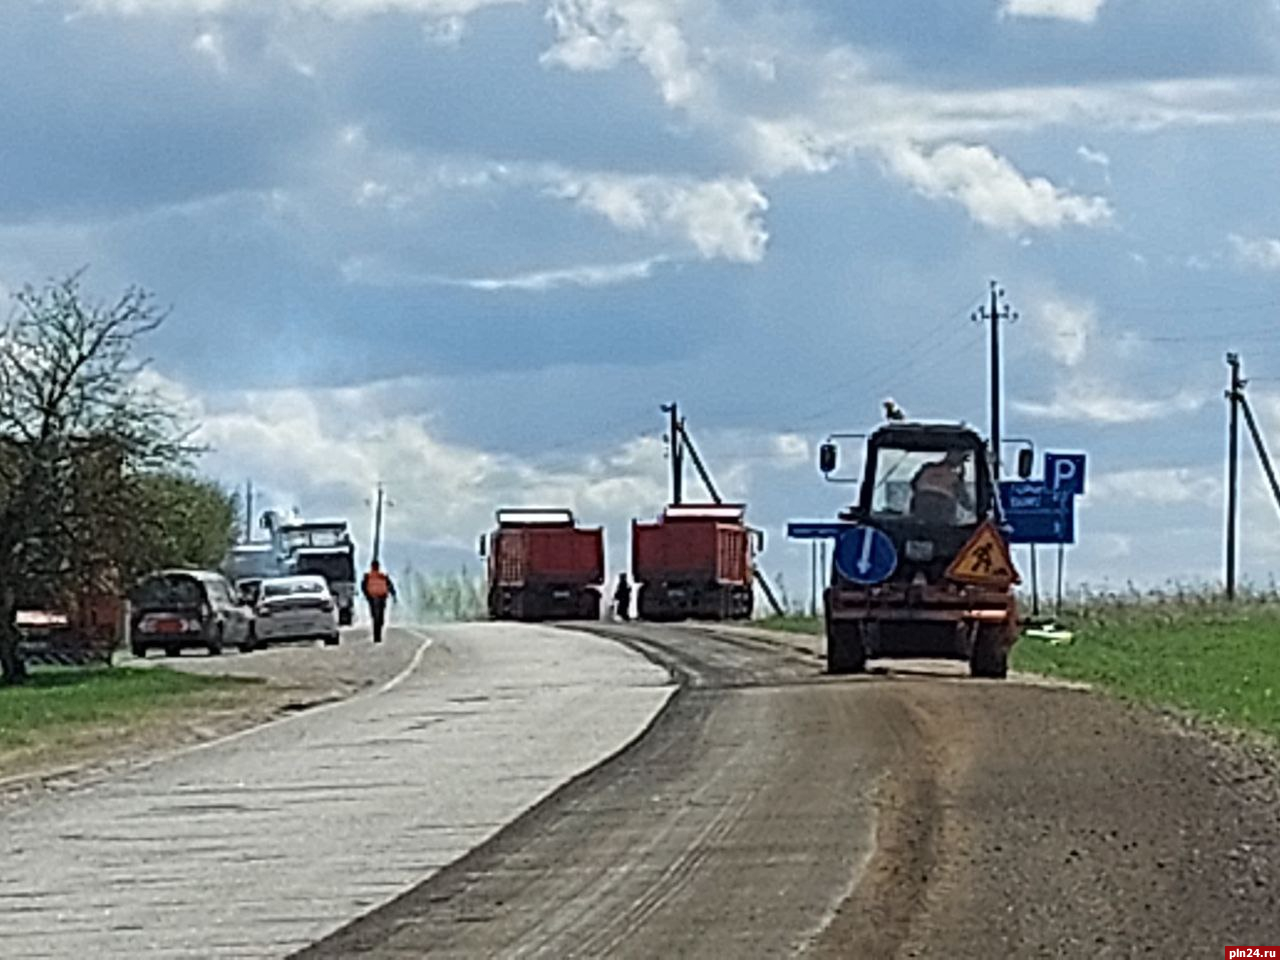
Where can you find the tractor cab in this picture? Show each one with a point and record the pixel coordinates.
(928, 487)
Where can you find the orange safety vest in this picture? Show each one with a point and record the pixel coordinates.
(937, 478)
(376, 585)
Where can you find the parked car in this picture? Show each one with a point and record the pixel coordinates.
(297, 608)
(176, 609)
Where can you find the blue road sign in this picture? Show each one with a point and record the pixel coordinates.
(1064, 472)
(865, 555)
(1036, 513)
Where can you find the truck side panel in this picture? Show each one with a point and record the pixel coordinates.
(565, 556)
(675, 551)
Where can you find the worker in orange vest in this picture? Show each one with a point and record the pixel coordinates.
(377, 588)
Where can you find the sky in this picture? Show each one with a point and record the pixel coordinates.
(469, 247)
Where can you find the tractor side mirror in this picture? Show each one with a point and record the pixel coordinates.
(484, 551)
(1026, 461)
(828, 455)
(759, 538)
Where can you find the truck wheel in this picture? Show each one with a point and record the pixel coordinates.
(846, 652)
(345, 617)
(990, 659)
(139, 651)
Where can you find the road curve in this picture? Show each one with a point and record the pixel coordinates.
(258, 844)
(772, 811)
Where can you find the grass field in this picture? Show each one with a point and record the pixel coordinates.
(1218, 661)
(61, 711)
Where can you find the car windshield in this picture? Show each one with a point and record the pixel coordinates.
(936, 486)
(167, 591)
(291, 588)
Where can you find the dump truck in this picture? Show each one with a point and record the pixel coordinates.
(543, 566)
(921, 567)
(696, 562)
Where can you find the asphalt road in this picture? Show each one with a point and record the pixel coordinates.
(258, 844)
(771, 811)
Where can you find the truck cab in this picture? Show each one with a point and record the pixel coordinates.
(929, 489)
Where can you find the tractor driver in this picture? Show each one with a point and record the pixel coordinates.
(940, 490)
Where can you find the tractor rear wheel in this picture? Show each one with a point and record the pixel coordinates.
(846, 653)
(990, 658)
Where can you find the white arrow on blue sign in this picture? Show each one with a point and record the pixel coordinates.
(865, 555)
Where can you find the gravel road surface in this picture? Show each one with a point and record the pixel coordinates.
(772, 811)
(257, 845)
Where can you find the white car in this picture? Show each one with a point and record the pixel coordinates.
(296, 608)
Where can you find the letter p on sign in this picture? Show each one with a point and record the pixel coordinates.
(1065, 472)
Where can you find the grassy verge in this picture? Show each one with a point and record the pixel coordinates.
(1219, 662)
(792, 623)
(62, 714)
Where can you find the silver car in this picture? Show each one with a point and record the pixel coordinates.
(296, 608)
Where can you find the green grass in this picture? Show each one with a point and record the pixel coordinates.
(60, 701)
(1216, 661)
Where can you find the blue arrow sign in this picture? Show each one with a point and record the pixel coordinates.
(865, 555)
(1036, 513)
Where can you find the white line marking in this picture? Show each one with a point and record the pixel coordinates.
(404, 674)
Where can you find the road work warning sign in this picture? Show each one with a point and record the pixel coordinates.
(984, 561)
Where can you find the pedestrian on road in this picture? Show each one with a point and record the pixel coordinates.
(622, 598)
(377, 588)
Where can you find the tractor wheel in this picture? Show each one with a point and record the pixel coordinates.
(990, 658)
(846, 653)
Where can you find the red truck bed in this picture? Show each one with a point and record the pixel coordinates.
(690, 548)
(534, 555)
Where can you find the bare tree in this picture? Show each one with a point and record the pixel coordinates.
(78, 432)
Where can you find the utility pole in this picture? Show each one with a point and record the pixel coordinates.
(248, 511)
(377, 526)
(997, 311)
(676, 436)
(1234, 395)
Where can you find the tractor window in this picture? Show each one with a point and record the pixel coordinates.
(925, 485)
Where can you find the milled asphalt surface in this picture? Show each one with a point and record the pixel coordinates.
(773, 811)
(261, 843)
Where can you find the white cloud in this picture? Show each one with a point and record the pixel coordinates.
(370, 271)
(324, 450)
(1261, 253)
(1163, 486)
(210, 44)
(600, 34)
(1096, 157)
(336, 9)
(991, 189)
(1078, 11)
(587, 275)
(1065, 329)
(721, 218)
(1089, 400)
(791, 450)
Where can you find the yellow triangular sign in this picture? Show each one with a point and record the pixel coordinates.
(984, 560)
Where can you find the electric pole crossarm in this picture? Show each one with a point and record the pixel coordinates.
(1261, 448)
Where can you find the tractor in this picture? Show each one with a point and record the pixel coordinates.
(921, 565)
